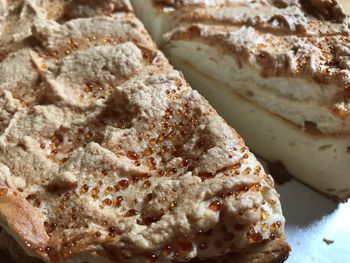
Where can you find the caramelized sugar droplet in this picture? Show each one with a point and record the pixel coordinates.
(66, 197)
(111, 235)
(147, 184)
(108, 190)
(49, 227)
(52, 253)
(186, 246)
(122, 184)
(130, 213)
(144, 176)
(255, 187)
(169, 112)
(206, 176)
(118, 201)
(165, 149)
(172, 171)
(151, 163)
(166, 251)
(132, 155)
(161, 137)
(134, 179)
(276, 226)
(254, 236)
(107, 202)
(215, 205)
(243, 189)
(173, 205)
(84, 189)
(149, 196)
(148, 151)
(149, 220)
(67, 254)
(95, 191)
(185, 162)
(247, 171)
(272, 202)
(150, 258)
(3, 191)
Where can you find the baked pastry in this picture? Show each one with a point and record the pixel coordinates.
(107, 154)
(280, 69)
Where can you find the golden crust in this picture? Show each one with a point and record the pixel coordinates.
(276, 251)
(24, 222)
(106, 152)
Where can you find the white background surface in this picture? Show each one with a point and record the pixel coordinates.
(312, 217)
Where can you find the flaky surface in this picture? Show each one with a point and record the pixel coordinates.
(106, 153)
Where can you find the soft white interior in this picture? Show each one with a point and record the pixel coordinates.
(320, 161)
(297, 100)
(157, 23)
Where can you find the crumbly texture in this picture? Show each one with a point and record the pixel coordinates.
(107, 154)
(304, 40)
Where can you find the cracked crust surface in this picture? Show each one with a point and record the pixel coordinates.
(276, 251)
(106, 153)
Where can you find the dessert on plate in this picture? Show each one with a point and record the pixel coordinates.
(278, 70)
(108, 155)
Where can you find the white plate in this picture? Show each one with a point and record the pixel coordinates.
(312, 219)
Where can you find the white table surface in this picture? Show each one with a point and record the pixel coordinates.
(312, 217)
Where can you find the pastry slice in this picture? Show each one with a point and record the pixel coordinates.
(108, 155)
(277, 70)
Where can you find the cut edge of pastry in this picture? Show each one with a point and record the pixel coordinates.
(311, 117)
(285, 143)
(275, 251)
